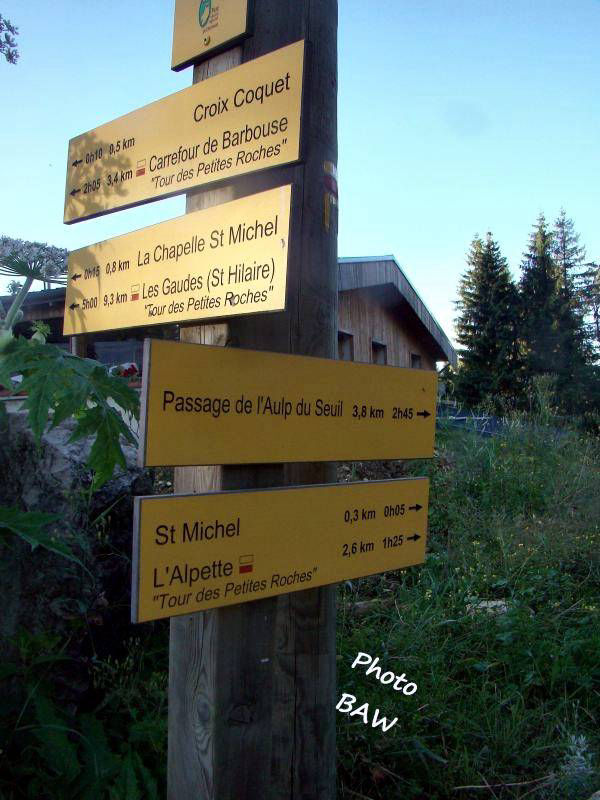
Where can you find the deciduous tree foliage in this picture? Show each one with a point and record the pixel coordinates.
(8, 43)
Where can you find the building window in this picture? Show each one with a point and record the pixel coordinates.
(345, 346)
(415, 361)
(378, 352)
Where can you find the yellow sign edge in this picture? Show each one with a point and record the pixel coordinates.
(141, 453)
(137, 506)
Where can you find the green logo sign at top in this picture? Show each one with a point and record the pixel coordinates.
(204, 12)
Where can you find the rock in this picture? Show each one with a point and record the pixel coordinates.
(489, 606)
(364, 607)
(44, 592)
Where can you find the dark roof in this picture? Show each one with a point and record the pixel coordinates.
(47, 298)
(384, 271)
(39, 298)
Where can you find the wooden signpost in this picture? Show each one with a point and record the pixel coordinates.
(206, 405)
(228, 260)
(251, 684)
(196, 552)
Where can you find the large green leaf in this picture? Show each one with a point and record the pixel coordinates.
(151, 789)
(126, 787)
(70, 403)
(100, 764)
(56, 749)
(106, 451)
(29, 526)
(42, 387)
(65, 385)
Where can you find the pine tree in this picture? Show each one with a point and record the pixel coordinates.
(568, 255)
(539, 290)
(588, 290)
(552, 330)
(487, 327)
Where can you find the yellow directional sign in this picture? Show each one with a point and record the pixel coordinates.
(215, 405)
(195, 552)
(245, 119)
(226, 260)
(202, 26)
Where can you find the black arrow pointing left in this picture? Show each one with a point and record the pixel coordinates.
(77, 162)
(73, 306)
(73, 192)
(76, 276)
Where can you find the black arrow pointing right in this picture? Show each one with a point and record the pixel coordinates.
(77, 162)
(423, 414)
(73, 192)
(74, 306)
(76, 276)
(413, 538)
(416, 507)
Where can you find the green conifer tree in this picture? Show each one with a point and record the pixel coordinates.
(566, 251)
(487, 327)
(552, 329)
(588, 290)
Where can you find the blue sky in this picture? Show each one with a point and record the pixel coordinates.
(454, 118)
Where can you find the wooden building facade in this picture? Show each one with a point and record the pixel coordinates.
(382, 320)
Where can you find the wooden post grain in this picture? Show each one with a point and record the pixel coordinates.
(252, 687)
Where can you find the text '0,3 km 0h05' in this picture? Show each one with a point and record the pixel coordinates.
(242, 120)
(226, 260)
(196, 552)
(221, 405)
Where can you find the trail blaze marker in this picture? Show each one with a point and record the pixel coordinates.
(245, 119)
(203, 26)
(214, 405)
(197, 552)
(227, 260)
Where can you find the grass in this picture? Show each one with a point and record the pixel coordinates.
(508, 700)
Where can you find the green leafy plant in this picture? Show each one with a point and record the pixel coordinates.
(112, 750)
(60, 385)
(29, 526)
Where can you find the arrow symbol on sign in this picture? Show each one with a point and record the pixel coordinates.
(413, 538)
(74, 192)
(74, 306)
(77, 162)
(423, 414)
(417, 507)
(76, 276)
